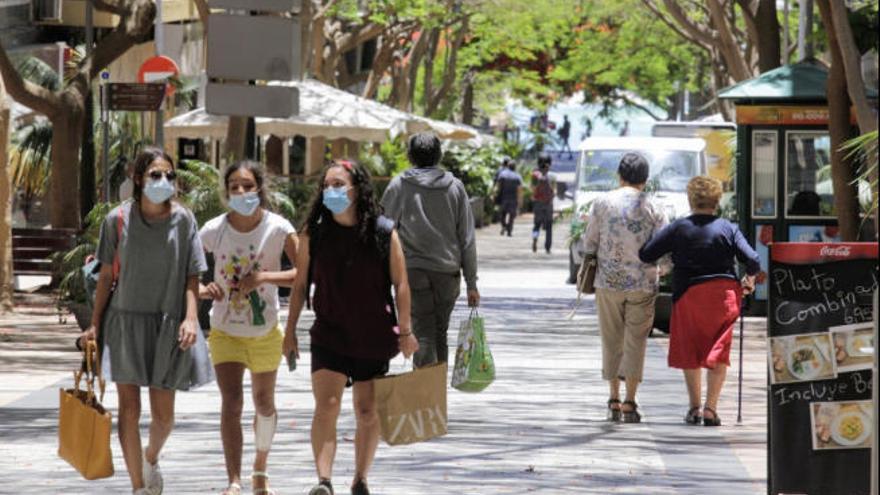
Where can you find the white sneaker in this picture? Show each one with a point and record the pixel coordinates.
(152, 477)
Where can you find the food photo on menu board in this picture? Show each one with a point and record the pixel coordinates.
(802, 358)
(853, 346)
(842, 425)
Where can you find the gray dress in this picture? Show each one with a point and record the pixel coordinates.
(141, 324)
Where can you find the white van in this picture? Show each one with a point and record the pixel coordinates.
(673, 162)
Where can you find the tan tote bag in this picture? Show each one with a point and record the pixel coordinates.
(84, 426)
(412, 406)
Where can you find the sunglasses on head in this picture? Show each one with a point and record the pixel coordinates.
(157, 174)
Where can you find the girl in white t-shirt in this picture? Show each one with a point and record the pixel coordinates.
(247, 244)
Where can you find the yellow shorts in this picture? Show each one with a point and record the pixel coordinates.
(258, 354)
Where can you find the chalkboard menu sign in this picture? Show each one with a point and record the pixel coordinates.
(820, 353)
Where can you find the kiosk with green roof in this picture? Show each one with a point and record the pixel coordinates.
(783, 164)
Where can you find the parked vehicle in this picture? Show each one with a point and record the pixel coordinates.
(719, 153)
(673, 162)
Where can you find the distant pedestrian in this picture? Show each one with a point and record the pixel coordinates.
(565, 133)
(247, 244)
(624, 131)
(354, 258)
(436, 226)
(543, 185)
(149, 321)
(508, 190)
(706, 292)
(619, 223)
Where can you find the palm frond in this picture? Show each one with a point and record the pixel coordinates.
(30, 158)
(38, 72)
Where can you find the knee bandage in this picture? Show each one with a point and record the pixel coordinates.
(264, 431)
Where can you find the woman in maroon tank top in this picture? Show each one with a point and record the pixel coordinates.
(353, 257)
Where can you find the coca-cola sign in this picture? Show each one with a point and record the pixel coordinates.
(834, 251)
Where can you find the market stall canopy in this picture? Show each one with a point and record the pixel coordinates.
(331, 113)
(197, 124)
(328, 112)
(449, 130)
(801, 82)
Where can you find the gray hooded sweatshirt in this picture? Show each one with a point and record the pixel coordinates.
(434, 220)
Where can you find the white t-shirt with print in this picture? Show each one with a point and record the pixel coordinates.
(236, 254)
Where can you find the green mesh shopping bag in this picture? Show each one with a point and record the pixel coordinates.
(474, 367)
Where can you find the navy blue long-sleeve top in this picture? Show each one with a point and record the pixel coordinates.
(703, 248)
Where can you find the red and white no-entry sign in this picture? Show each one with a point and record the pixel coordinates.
(158, 69)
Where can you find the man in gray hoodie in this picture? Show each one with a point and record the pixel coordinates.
(433, 217)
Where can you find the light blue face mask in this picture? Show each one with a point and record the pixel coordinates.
(336, 199)
(245, 204)
(159, 191)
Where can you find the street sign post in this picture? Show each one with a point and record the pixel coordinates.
(159, 68)
(243, 100)
(245, 50)
(253, 47)
(156, 69)
(135, 97)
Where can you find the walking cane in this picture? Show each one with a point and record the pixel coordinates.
(739, 400)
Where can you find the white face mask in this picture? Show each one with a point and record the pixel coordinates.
(245, 204)
(159, 191)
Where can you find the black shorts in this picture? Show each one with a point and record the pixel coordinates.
(355, 369)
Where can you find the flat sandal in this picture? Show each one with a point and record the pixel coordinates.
(262, 491)
(613, 412)
(693, 416)
(633, 415)
(714, 420)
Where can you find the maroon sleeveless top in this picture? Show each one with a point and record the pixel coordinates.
(352, 310)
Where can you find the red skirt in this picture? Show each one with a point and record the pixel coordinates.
(701, 328)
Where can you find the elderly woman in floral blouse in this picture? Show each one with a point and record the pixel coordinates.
(620, 222)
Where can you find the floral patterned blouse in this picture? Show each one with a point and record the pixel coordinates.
(619, 223)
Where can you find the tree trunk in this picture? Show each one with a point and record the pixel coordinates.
(767, 27)
(846, 194)
(805, 30)
(236, 139)
(64, 181)
(727, 43)
(87, 164)
(867, 118)
(380, 65)
(467, 101)
(6, 272)
(430, 55)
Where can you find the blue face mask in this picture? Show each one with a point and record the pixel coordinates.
(159, 191)
(336, 199)
(245, 204)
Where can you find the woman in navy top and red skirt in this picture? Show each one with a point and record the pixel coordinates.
(354, 257)
(706, 293)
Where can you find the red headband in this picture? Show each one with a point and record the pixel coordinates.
(347, 164)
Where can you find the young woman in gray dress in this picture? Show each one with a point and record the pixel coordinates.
(148, 315)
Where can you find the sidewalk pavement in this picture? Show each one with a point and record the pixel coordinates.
(538, 429)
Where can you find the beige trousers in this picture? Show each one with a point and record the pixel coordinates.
(625, 320)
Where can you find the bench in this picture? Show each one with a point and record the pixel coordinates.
(32, 249)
